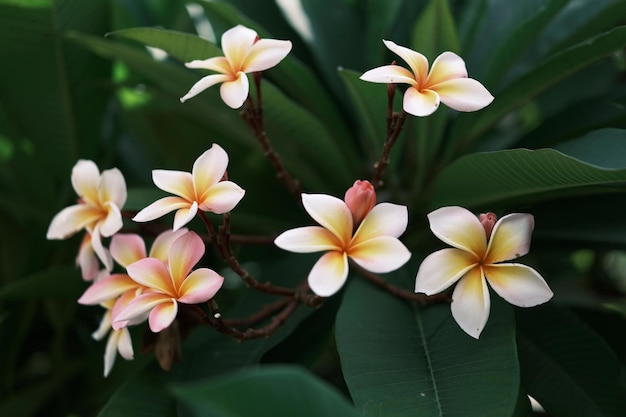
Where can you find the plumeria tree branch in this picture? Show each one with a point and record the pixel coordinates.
(395, 123)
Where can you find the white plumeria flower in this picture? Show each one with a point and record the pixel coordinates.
(202, 189)
(98, 209)
(244, 52)
(479, 248)
(446, 82)
(374, 245)
(118, 341)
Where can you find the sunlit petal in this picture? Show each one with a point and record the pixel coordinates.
(161, 246)
(203, 84)
(460, 228)
(152, 273)
(518, 284)
(471, 303)
(446, 66)
(308, 239)
(510, 238)
(185, 215)
(441, 269)
(463, 94)
(330, 212)
(85, 180)
(200, 286)
(420, 103)
(222, 197)
(163, 315)
(235, 92)
(385, 219)
(208, 169)
(179, 183)
(72, 219)
(265, 54)
(112, 223)
(218, 63)
(185, 253)
(329, 273)
(417, 61)
(127, 248)
(394, 74)
(112, 187)
(236, 42)
(380, 254)
(107, 288)
(139, 307)
(160, 208)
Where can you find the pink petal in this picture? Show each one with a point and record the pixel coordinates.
(385, 219)
(185, 253)
(112, 187)
(329, 273)
(463, 94)
(417, 61)
(330, 212)
(138, 308)
(460, 228)
(87, 260)
(380, 254)
(447, 66)
(471, 303)
(85, 180)
(185, 215)
(163, 315)
(265, 54)
(222, 197)
(112, 223)
(161, 246)
(152, 273)
(420, 103)
(127, 248)
(208, 170)
(236, 43)
(121, 303)
(200, 286)
(518, 284)
(160, 208)
(510, 238)
(235, 92)
(308, 239)
(72, 219)
(218, 63)
(179, 183)
(107, 288)
(393, 74)
(441, 269)
(203, 84)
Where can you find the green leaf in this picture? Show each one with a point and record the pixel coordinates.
(269, 390)
(58, 282)
(400, 360)
(566, 366)
(435, 31)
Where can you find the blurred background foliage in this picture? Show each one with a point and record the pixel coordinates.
(101, 80)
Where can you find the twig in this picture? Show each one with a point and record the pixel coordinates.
(395, 122)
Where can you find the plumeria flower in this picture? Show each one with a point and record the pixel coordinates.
(446, 82)
(480, 246)
(169, 284)
(202, 189)
(118, 341)
(371, 243)
(98, 208)
(244, 52)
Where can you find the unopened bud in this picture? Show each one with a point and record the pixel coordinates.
(488, 220)
(360, 199)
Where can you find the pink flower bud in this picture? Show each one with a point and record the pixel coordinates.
(360, 199)
(488, 220)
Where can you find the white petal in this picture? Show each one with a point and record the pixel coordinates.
(85, 180)
(112, 187)
(471, 303)
(72, 219)
(265, 54)
(463, 94)
(124, 344)
(203, 84)
(447, 66)
(510, 238)
(236, 43)
(235, 92)
(460, 228)
(185, 215)
(441, 269)
(179, 183)
(329, 273)
(385, 219)
(420, 103)
(209, 169)
(112, 223)
(381, 254)
(218, 63)
(160, 208)
(518, 284)
(330, 212)
(308, 239)
(222, 197)
(393, 74)
(417, 61)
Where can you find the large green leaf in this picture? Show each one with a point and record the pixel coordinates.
(592, 165)
(566, 366)
(402, 360)
(435, 31)
(266, 391)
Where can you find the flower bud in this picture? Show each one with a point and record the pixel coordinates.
(488, 220)
(360, 199)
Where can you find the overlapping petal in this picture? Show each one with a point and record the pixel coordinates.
(161, 246)
(446, 66)
(112, 222)
(441, 269)
(152, 273)
(185, 252)
(107, 288)
(200, 286)
(265, 54)
(380, 254)
(236, 42)
(463, 94)
(85, 180)
(518, 284)
(112, 187)
(420, 102)
(308, 239)
(222, 197)
(162, 315)
(510, 238)
(329, 273)
(460, 228)
(160, 208)
(203, 84)
(209, 168)
(330, 212)
(184, 215)
(139, 307)
(179, 183)
(218, 63)
(127, 248)
(235, 91)
(416, 61)
(72, 219)
(389, 74)
(385, 219)
(471, 303)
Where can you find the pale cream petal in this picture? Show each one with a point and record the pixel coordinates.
(235, 92)
(329, 273)
(200, 286)
(441, 269)
(203, 84)
(463, 94)
(510, 238)
(420, 103)
(380, 254)
(107, 288)
(447, 66)
(265, 54)
(208, 169)
(218, 63)
(222, 197)
(385, 219)
(161, 246)
(87, 260)
(460, 228)
(152, 273)
(112, 223)
(112, 187)
(185, 215)
(163, 315)
(393, 74)
(236, 43)
(72, 219)
(85, 180)
(104, 327)
(127, 248)
(124, 344)
(102, 252)
(471, 303)
(308, 239)
(179, 183)
(330, 212)
(417, 61)
(518, 284)
(110, 352)
(185, 253)
(160, 208)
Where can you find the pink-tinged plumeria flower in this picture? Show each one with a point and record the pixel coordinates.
(118, 341)
(244, 52)
(98, 209)
(202, 189)
(480, 245)
(374, 245)
(169, 284)
(446, 82)
(87, 259)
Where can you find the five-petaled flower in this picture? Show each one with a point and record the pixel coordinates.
(244, 52)
(479, 248)
(98, 208)
(169, 284)
(202, 189)
(446, 82)
(374, 245)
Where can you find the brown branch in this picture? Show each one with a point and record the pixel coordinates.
(395, 122)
